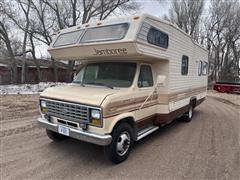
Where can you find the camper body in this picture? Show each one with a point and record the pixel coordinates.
(137, 73)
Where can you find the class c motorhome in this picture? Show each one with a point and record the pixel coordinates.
(137, 73)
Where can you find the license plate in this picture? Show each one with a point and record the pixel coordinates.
(63, 130)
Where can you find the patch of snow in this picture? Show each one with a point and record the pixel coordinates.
(27, 88)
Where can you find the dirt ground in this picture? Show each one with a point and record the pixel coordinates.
(206, 148)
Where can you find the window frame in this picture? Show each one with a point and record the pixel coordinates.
(104, 40)
(76, 41)
(183, 73)
(156, 44)
(200, 64)
(140, 66)
(205, 73)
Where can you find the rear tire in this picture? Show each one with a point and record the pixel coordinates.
(122, 142)
(55, 136)
(187, 117)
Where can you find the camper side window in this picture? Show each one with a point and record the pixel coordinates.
(200, 68)
(145, 78)
(157, 38)
(67, 38)
(105, 33)
(204, 68)
(184, 65)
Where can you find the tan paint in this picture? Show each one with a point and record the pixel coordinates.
(90, 95)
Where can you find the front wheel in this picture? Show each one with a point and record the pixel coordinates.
(122, 141)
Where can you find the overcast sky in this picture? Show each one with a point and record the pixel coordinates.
(155, 8)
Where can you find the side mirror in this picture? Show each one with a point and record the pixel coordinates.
(160, 80)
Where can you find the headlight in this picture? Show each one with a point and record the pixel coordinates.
(95, 118)
(43, 106)
(95, 114)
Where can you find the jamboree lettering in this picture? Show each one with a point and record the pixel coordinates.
(100, 52)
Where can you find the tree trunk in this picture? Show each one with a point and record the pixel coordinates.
(26, 12)
(70, 71)
(23, 71)
(39, 78)
(55, 71)
(13, 65)
(13, 70)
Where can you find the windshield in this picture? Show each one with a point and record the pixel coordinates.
(109, 74)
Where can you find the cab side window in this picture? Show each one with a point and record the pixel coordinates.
(145, 78)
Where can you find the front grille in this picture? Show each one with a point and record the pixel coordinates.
(68, 111)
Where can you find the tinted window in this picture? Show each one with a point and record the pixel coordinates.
(145, 78)
(68, 38)
(157, 38)
(105, 33)
(184, 65)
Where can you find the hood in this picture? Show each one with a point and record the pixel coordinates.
(90, 95)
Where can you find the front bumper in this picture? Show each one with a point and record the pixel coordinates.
(98, 139)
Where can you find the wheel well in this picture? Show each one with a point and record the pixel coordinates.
(193, 101)
(131, 122)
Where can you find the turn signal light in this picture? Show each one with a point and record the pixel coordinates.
(96, 122)
(44, 110)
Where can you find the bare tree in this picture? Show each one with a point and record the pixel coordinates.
(4, 36)
(25, 7)
(34, 55)
(11, 10)
(187, 15)
(42, 27)
(223, 39)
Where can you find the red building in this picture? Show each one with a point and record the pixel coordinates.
(46, 71)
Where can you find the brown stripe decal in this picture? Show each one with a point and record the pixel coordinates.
(128, 105)
(158, 119)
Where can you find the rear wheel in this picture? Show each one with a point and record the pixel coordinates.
(55, 136)
(122, 141)
(187, 117)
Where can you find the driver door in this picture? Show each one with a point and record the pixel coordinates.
(145, 99)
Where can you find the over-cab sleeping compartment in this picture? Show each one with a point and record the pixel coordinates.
(129, 38)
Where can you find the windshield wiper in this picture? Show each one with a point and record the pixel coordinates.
(99, 84)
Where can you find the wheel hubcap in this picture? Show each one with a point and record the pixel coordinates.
(123, 143)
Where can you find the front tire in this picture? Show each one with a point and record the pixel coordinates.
(55, 136)
(122, 142)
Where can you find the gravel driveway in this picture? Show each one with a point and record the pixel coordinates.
(206, 148)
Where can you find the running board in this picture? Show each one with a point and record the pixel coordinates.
(146, 131)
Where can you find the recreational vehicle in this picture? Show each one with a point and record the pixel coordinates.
(137, 74)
